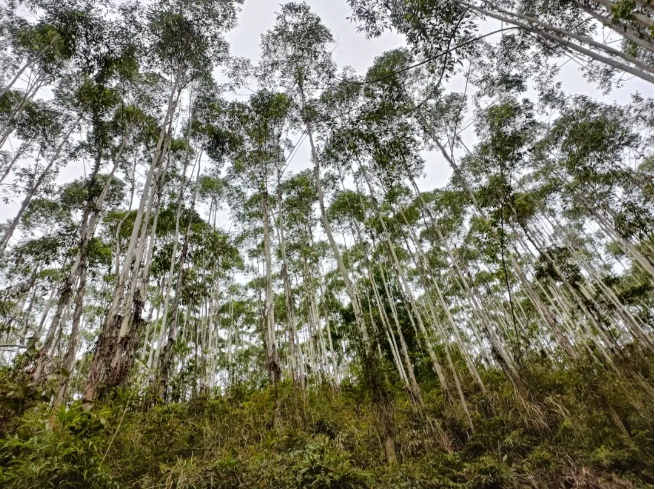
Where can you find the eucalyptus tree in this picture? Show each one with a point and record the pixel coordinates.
(593, 169)
(298, 208)
(253, 168)
(610, 196)
(561, 28)
(32, 130)
(376, 145)
(539, 245)
(32, 264)
(353, 210)
(53, 225)
(180, 39)
(92, 253)
(98, 98)
(35, 178)
(296, 53)
(510, 138)
(85, 90)
(413, 94)
(216, 259)
(164, 363)
(100, 102)
(41, 50)
(70, 38)
(33, 48)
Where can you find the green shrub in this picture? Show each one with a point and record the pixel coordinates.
(63, 450)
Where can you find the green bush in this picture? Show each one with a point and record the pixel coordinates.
(62, 450)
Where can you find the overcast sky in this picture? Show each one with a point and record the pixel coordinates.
(353, 49)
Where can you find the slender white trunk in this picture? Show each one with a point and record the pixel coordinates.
(28, 64)
(549, 32)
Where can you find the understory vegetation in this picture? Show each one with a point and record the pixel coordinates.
(582, 428)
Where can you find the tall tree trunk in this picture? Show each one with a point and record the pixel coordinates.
(103, 353)
(297, 361)
(90, 218)
(69, 356)
(28, 64)
(272, 358)
(541, 29)
(17, 154)
(381, 398)
(166, 357)
(34, 188)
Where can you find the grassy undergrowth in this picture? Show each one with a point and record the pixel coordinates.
(580, 429)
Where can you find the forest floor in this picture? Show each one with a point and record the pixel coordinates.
(581, 428)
